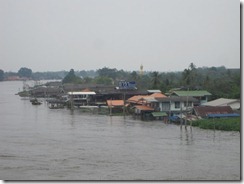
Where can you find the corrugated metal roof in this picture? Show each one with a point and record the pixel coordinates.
(139, 99)
(144, 108)
(192, 93)
(204, 111)
(136, 99)
(115, 103)
(158, 95)
(81, 93)
(221, 102)
(154, 91)
(178, 99)
(149, 99)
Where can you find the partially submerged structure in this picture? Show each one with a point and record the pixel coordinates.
(81, 98)
(115, 105)
(147, 104)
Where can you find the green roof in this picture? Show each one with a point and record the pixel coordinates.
(192, 93)
(159, 114)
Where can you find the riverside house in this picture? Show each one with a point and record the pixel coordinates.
(162, 105)
(176, 105)
(81, 98)
(201, 95)
(115, 105)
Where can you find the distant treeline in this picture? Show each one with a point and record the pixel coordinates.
(220, 81)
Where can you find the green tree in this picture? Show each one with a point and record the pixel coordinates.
(192, 66)
(134, 76)
(155, 80)
(72, 78)
(108, 72)
(186, 77)
(1, 75)
(143, 82)
(189, 76)
(87, 80)
(25, 72)
(103, 80)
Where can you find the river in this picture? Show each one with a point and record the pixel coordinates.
(38, 143)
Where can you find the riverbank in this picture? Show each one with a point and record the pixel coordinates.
(63, 144)
(226, 124)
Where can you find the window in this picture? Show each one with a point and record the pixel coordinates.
(177, 105)
(165, 106)
(204, 98)
(187, 104)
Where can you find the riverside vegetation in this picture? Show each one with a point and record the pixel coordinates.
(219, 81)
(226, 124)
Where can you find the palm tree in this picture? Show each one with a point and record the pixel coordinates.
(155, 79)
(189, 75)
(192, 66)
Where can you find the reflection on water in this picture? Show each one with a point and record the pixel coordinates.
(186, 135)
(39, 143)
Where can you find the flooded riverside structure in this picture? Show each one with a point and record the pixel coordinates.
(39, 143)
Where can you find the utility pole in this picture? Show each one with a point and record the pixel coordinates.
(169, 108)
(123, 87)
(186, 107)
(181, 114)
(110, 109)
(72, 100)
(124, 103)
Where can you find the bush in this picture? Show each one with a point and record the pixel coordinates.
(227, 124)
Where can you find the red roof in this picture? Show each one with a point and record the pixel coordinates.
(140, 99)
(158, 95)
(115, 103)
(137, 99)
(144, 108)
(86, 90)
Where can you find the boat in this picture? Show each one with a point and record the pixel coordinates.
(55, 106)
(56, 103)
(33, 100)
(36, 102)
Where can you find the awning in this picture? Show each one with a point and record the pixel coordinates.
(159, 114)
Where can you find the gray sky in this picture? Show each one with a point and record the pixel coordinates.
(162, 35)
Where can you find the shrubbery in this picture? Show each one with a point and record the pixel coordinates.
(227, 124)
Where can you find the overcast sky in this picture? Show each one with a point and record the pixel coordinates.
(162, 35)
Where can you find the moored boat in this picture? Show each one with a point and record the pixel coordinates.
(36, 102)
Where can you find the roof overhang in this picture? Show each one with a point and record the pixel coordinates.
(82, 93)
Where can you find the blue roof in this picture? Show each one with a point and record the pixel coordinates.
(223, 115)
